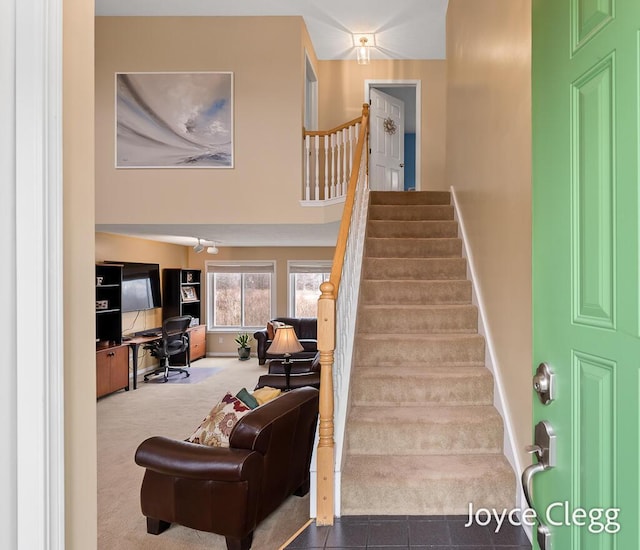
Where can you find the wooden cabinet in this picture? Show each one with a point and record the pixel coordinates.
(197, 341)
(197, 346)
(112, 369)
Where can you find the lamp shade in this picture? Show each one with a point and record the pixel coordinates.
(285, 342)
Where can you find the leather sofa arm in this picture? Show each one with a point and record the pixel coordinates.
(261, 338)
(189, 460)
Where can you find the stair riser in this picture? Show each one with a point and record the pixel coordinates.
(415, 294)
(424, 438)
(415, 268)
(392, 391)
(373, 352)
(410, 197)
(412, 229)
(410, 248)
(415, 213)
(438, 497)
(407, 320)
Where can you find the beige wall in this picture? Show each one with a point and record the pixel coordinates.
(266, 56)
(489, 165)
(341, 95)
(79, 273)
(129, 249)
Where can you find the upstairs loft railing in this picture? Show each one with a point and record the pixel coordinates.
(342, 287)
(328, 161)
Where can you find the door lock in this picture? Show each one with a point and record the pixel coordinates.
(544, 383)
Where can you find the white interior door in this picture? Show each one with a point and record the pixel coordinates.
(386, 171)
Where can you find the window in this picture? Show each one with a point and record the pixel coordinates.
(240, 295)
(305, 279)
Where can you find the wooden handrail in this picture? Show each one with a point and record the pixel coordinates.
(326, 343)
(334, 130)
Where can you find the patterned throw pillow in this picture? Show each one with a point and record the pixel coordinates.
(216, 427)
(270, 331)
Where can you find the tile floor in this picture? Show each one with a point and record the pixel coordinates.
(410, 532)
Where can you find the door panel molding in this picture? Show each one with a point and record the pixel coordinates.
(595, 450)
(588, 18)
(593, 192)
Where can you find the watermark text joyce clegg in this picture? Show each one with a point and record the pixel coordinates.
(596, 520)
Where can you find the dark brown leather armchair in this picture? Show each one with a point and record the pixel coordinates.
(229, 491)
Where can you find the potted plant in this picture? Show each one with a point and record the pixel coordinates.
(244, 340)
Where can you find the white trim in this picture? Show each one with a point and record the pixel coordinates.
(325, 202)
(39, 253)
(411, 83)
(499, 399)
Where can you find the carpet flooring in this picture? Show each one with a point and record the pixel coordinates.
(125, 419)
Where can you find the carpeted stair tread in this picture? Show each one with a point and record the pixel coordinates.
(412, 248)
(421, 429)
(412, 229)
(412, 319)
(413, 197)
(378, 348)
(410, 212)
(417, 364)
(425, 269)
(415, 292)
(408, 385)
(426, 484)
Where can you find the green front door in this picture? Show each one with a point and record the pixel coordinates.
(585, 255)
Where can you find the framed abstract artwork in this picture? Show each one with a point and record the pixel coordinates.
(174, 120)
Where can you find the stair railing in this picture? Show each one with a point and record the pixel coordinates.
(337, 308)
(328, 161)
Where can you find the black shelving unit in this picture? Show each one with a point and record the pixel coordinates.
(181, 293)
(108, 305)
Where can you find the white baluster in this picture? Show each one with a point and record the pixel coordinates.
(345, 176)
(326, 167)
(333, 165)
(316, 194)
(351, 149)
(338, 165)
(307, 161)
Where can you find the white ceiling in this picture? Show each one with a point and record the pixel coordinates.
(404, 29)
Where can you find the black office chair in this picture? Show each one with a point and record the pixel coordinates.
(175, 340)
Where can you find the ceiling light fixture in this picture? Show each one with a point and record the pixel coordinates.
(212, 249)
(362, 51)
(198, 247)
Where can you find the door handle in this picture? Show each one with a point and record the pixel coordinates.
(544, 448)
(402, 165)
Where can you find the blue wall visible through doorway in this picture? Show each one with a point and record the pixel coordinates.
(409, 162)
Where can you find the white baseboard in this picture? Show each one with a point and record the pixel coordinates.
(499, 399)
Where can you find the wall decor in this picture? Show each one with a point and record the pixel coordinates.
(174, 120)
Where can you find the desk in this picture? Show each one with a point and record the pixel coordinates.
(134, 343)
(196, 346)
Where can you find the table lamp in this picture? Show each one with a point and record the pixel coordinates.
(285, 342)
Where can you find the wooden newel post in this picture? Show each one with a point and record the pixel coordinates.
(325, 456)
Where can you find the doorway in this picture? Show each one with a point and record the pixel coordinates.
(409, 92)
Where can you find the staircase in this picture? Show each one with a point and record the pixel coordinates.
(423, 437)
